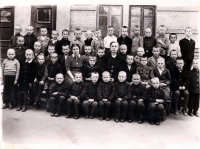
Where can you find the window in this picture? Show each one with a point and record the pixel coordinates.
(43, 15)
(109, 16)
(143, 16)
(5, 15)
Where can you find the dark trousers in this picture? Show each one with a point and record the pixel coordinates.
(156, 112)
(9, 90)
(121, 107)
(89, 107)
(187, 64)
(177, 95)
(139, 106)
(193, 103)
(104, 108)
(73, 103)
(22, 99)
(38, 88)
(56, 104)
(31, 95)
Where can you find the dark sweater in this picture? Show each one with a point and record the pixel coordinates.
(171, 66)
(88, 42)
(13, 41)
(127, 41)
(76, 89)
(29, 41)
(106, 90)
(129, 72)
(87, 70)
(56, 46)
(90, 91)
(123, 90)
(62, 90)
(187, 48)
(153, 94)
(138, 91)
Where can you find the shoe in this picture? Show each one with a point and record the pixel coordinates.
(52, 114)
(101, 118)
(86, 116)
(5, 106)
(184, 112)
(11, 107)
(140, 121)
(196, 114)
(57, 115)
(190, 114)
(68, 116)
(24, 109)
(91, 117)
(130, 120)
(116, 120)
(76, 117)
(152, 123)
(157, 123)
(122, 120)
(19, 108)
(35, 103)
(176, 112)
(107, 118)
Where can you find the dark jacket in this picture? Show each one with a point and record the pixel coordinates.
(129, 72)
(20, 53)
(88, 42)
(145, 72)
(187, 48)
(61, 43)
(57, 50)
(101, 62)
(106, 90)
(149, 43)
(62, 90)
(194, 81)
(123, 90)
(87, 70)
(29, 41)
(153, 94)
(127, 41)
(52, 69)
(76, 89)
(164, 77)
(89, 91)
(13, 41)
(40, 74)
(171, 66)
(62, 62)
(138, 91)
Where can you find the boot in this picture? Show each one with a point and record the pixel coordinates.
(24, 109)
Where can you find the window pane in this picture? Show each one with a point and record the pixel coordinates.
(148, 12)
(43, 15)
(116, 23)
(116, 10)
(103, 25)
(5, 15)
(135, 21)
(135, 10)
(103, 10)
(148, 22)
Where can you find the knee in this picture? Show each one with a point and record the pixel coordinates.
(132, 103)
(69, 100)
(108, 103)
(177, 93)
(100, 103)
(125, 103)
(160, 107)
(186, 93)
(94, 103)
(140, 104)
(61, 98)
(85, 103)
(117, 102)
(76, 101)
(152, 106)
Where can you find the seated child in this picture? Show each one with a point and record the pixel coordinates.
(152, 61)
(58, 94)
(78, 40)
(101, 58)
(137, 100)
(20, 49)
(89, 95)
(13, 39)
(26, 78)
(54, 41)
(124, 39)
(74, 99)
(30, 38)
(145, 72)
(149, 42)
(156, 98)
(122, 96)
(180, 86)
(43, 39)
(63, 41)
(87, 52)
(162, 41)
(50, 50)
(137, 40)
(122, 53)
(89, 39)
(10, 74)
(97, 41)
(173, 45)
(138, 56)
(91, 66)
(38, 85)
(129, 67)
(37, 48)
(105, 95)
(193, 105)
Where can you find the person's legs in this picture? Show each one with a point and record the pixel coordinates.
(152, 112)
(20, 96)
(52, 102)
(132, 106)
(69, 107)
(26, 95)
(6, 91)
(140, 106)
(176, 100)
(159, 113)
(76, 107)
(101, 109)
(60, 103)
(117, 110)
(186, 97)
(196, 104)
(12, 91)
(107, 110)
(86, 108)
(93, 109)
(125, 108)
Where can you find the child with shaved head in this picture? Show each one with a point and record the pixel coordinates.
(89, 39)
(13, 39)
(30, 38)
(20, 49)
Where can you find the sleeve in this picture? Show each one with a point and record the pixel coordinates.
(168, 81)
(79, 97)
(67, 63)
(65, 92)
(84, 94)
(128, 95)
(99, 92)
(116, 91)
(45, 73)
(18, 69)
(149, 96)
(165, 43)
(112, 95)
(52, 90)
(164, 97)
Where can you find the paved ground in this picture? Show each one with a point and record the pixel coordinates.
(37, 129)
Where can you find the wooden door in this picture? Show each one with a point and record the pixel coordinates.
(43, 16)
(6, 29)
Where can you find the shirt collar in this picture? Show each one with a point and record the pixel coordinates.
(111, 36)
(78, 40)
(77, 55)
(28, 61)
(161, 69)
(113, 56)
(188, 38)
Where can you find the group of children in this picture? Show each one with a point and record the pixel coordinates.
(134, 74)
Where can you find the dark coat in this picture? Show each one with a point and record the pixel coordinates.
(127, 41)
(106, 90)
(20, 53)
(194, 81)
(171, 66)
(153, 94)
(52, 70)
(138, 91)
(149, 43)
(40, 74)
(164, 77)
(129, 72)
(87, 70)
(62, 62)
(62, 90)
(187, 48)
(61, 43)
(76, 89)
(123, 90)
(57, 50)
(29, 41)
(89, 91)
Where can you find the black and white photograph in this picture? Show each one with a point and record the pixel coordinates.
(99, 74)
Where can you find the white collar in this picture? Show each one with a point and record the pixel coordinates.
(77, 55)
(113, 56)
(188, 38)
(161, 69)
(29, 61)
(111, 36)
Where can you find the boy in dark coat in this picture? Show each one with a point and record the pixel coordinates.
(64, 40)
(20, 49)
(55, 41)
(13, 39)
(29, 38)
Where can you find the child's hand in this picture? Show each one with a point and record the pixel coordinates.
(140, 99)
(30, 85)
(119, 99)
(35, 80)
(88, 79)
(144, 83)
(159, 41)
(159, 100)
(134, 96)
(130, 83)
(49, 78)
(105, 100)
(180, 88)
(55, 93)
(163, 84)
(41, 82)
(112, 80)
(183, 87)
(91, 100)
(73, 97)
(148, 86)
(52, 79)
(15, 82)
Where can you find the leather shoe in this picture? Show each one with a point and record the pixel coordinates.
(57, 115)
(152, 123)
(176, 112)
(5, 106)
(76, 117)
(107, 118)
(24, 109)
(130, 121)
(86, 116)
(11, 107)
(190, 114)
(184, 112)
(196, 114)
(19, 108)
(122, 120)
(116, 120)
(68, 116)
(157, 123)
(52, 114)
(91, 117)
(101, 118)
(140, 121)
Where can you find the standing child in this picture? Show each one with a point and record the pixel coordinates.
(30, 38)
(13, 39)
(89, 94)
(50, 50)
(20, 49)
(108, 39)
(162, 41)
(101, 58)
(26, 78)
(63, 41)
(58, 94)
(122, 52)
(122, 96)
(89, 39)
(37, 48)
(87, 52)
(74, 99)
(124, 39)
(105, 95)
(43, 39)
(187, 46)
(137, 40)
(138, 56)
(10, 74)
(54, 41)
(173, 45)
(97, 41)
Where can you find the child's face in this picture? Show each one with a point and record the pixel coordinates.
(148, 32)
(29, 55)
(75, 50)
(65, 50)
(40, 60)
(88, 50)
(54, 59)
(11, 54)
(37, 46)
(20, 41)
(129, 60)
(89, 35)
(110, 31)
(188, 32)
(155, 83)
(122, 77)
(180, 64)
(106, 77)
(54, 35)
(174, 55)
(123, 49)
(156, 52)
(172, 38)
(124, 32)
(94, 78)
(160, 64)
(196, 64)
(161, 30)
(51, 49)
(29, 30)
(140, 52)
(43, 31)
(144, 61)
(97, 34)
(92, 61)
(78, 77)
(65, 34)
(136, 80)
(59, 79)
(17, 29)
(100, 52)
(136, 31)
(77, 34)
(114, 48)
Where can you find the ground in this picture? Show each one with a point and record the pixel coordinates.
(37, 129)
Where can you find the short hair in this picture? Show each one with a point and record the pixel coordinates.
(29, 26)
(114, 42)
(136, 75)
(88, 32)
(148, 28)
(122, 72)
(125, 27)
(140, 48)
(77, 29)
(18, 25)
(38, 42)
(10, 50)
(101, 48)
(41, 54)
(195, 59)
(172, 34)
(29, 50)
(179, 59)
(144, 56)
(55, 31)
(51, 45)
(78, 73)
(87, 45)
(136, 26)
(75, 45)
(43, 27)
(110, 27)
(106, 73)
(188, 28)
(155, 79)
(65, 44)
(163, 26)
(65, 30)
(54, 55)
(156, 47)
(173, 50)
(161, 59)
(129, 55)
(60, 74)
(94, 73)
(20, 37)
(93, 54)
(123, 45)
